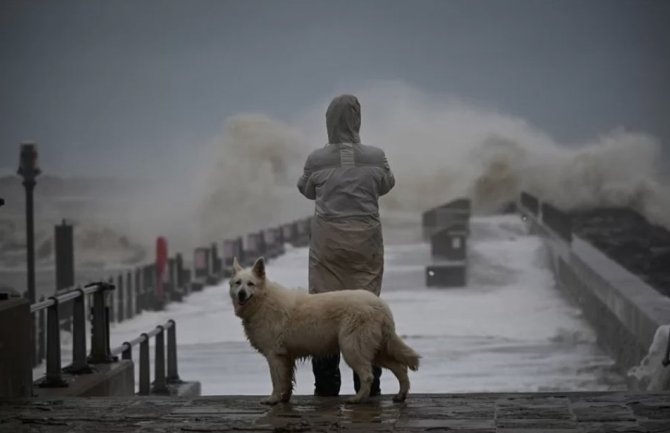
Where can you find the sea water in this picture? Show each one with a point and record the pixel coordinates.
(510, 329)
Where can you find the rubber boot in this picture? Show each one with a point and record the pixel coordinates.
(326, 376)
(375, 389)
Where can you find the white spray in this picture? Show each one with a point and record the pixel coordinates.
(439, 149)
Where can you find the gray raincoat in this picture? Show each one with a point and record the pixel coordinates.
(346, 178)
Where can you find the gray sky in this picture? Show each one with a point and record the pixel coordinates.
(105, 86)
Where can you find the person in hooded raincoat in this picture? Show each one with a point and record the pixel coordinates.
(345, 178)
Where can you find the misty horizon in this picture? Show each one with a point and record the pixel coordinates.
(130, 89)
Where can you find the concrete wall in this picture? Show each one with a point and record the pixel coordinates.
(113, 379)
(626, 312)
(15, 348)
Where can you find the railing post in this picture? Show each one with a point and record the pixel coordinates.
(100, 352)
(145, 380)
(173, 375)
(79, 363)
(160, 386)
(121, 304)
(53, 378)
(127, 352)
(41, 333)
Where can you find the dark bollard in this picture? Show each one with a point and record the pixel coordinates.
(112, 302)
(176, 279)
(280, 234)
(240, 250)
(229, 253)
(53, 377)
(170, 285)
(130, 310)
(145, 380)
(215, 264)
(121, 301)
(172, 374)
(149, 274)
(278, 241)
(64, 261)
(79, 362)
(159, 385)
(188, 280)
(269, 243)
(161, 266)
(138, 290)
(262, 244)
(201, 268)
(64, 256)
(179, 263)
(100, 351)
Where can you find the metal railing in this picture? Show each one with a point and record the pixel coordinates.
(100, 341)
(100, 352)
(130, 292)
(161, 378)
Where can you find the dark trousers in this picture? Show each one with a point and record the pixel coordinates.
(327, 377)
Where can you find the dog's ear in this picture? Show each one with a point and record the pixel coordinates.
(236, 266)
(259, 268)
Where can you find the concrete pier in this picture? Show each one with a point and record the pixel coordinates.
(481, 413)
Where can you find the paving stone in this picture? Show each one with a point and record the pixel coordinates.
(603, 413)
(484, 413)
(654, 410)
(549, 424)
(536, 430)
(553, 413)
(609, 427)
(430, 424)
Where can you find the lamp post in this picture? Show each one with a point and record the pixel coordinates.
(29, 170)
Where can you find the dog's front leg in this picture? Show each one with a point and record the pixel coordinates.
(277, 365)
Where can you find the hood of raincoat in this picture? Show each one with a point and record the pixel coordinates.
(343, 120)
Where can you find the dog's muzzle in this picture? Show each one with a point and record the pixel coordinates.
(243, 297)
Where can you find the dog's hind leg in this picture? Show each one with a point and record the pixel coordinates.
(363, 368)
(400, 372)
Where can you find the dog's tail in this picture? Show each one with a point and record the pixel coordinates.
(401, 352)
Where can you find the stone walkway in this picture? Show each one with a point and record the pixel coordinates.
(474, 413)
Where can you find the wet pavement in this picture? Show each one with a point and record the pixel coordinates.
(473, 413)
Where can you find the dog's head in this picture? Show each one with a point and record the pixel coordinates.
(247, 286)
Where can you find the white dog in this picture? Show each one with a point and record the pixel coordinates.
(285, 325)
